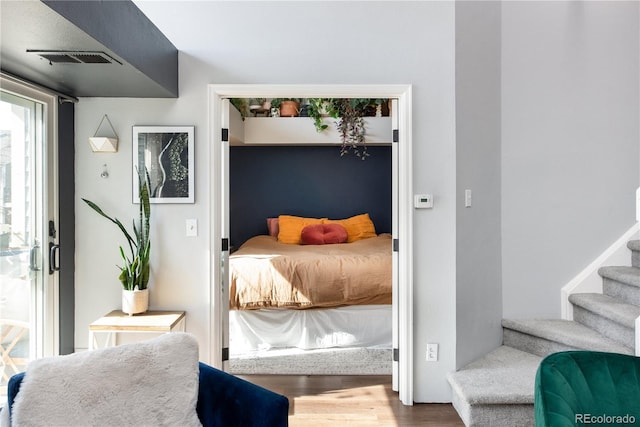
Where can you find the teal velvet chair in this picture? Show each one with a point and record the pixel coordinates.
(575, 388)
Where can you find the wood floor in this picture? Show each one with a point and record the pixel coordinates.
(352, 401)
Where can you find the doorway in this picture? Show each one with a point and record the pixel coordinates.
(402, 213)
(28, 214)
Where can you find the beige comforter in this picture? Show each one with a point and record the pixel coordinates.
(266, 273)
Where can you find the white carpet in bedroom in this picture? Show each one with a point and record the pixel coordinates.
(330, 361)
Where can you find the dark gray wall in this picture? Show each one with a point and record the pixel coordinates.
(125, 30)
(66, 226)
(145, 62)
(478, 234)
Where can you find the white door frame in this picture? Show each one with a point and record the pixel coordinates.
(216, 93)
(45, 341)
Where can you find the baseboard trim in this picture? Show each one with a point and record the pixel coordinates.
(588, 280)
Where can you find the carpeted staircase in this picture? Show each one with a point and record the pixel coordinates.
(497, 390)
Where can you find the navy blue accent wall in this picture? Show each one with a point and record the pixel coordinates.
(305, 181)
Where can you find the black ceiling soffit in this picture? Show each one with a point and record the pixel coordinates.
(87, 48)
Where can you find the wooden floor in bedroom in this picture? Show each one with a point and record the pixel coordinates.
(357, 400)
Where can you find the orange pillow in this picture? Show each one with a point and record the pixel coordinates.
(291, 228)
(358, 227)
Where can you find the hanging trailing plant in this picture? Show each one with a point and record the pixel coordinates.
(350, 126)
(349, 114)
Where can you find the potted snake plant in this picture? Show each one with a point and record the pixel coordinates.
(134, 273)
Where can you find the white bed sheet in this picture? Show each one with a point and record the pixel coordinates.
(349, 326)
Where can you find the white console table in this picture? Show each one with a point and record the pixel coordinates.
(117, 322)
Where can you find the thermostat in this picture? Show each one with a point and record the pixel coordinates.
(423, 201)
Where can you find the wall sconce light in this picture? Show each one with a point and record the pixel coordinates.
(104, 144)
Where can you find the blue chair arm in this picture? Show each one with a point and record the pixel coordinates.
(225, 400)
(13, 388)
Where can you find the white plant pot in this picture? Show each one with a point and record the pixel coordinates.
(135, 302)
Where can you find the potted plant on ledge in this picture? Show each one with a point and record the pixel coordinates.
(289, 107)
(134, 274)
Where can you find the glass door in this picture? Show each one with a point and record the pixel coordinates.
(26, 291)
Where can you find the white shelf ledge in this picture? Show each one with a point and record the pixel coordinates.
(299, 131)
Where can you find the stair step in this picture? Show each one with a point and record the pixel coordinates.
(622, 283)
(607, 316)
(609, 307)
(496, 389)
(505, 375)
(634, 246)
(623, 274)
(546, 336)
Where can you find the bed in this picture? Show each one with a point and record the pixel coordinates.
(285, 293)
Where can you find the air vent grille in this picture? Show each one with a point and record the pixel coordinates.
(75, 57)
(60, 58)
(92, 58)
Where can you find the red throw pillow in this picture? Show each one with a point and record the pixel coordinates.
(323, 234)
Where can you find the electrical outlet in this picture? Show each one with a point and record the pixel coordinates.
(432, 352)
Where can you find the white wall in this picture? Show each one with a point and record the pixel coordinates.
(279, 42)
(569, 156)
(569, 143)
(179, 264)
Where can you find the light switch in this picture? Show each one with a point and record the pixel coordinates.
(192, 227)
(467, 198)
(432, 352)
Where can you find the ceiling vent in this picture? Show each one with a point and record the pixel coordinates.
(74, 57)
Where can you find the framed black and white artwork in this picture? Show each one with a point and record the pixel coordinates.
(166, 152)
